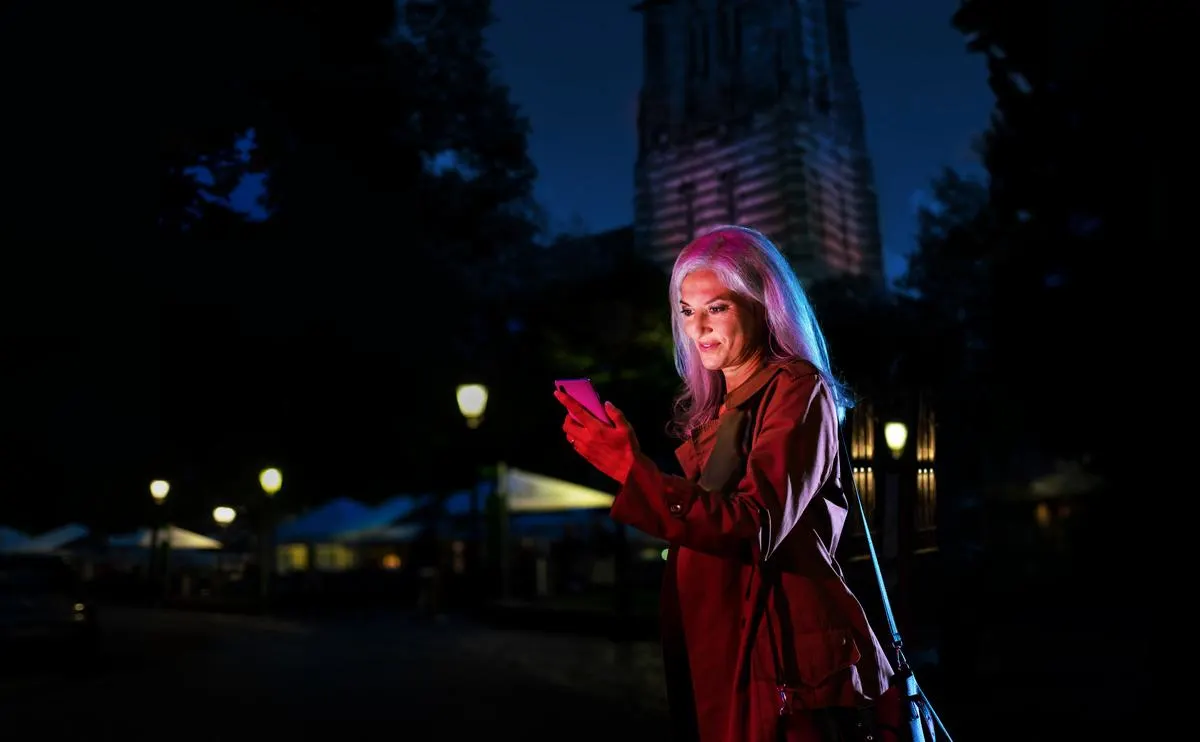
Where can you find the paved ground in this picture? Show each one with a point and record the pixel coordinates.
(181, 675)
(217, 677)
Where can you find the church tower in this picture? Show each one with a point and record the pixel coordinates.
(750, 114)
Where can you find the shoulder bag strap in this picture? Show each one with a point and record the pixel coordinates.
(912, 689)
(851, 486)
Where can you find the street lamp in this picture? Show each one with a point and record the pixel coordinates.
(270, 480)
(472, 401)
(224, 515)
(896, 435)
(158, 490)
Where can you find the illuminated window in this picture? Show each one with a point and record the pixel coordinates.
(729, 196)
(862, 433)
(864, 479)
(459, 551)
(926, 510)
(334, 557)
(291, 558)
(688, 191)
(926, 435)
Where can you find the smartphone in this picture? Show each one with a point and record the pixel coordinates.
(582, 391)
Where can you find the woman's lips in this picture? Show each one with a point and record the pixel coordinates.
(705, 347)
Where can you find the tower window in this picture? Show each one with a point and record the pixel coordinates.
(737, 33)
(725, 31)
(698, 51)
(688, 191)
(729, 196)
(821, 95)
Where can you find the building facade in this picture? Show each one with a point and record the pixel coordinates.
(895, 477)
(750, 114)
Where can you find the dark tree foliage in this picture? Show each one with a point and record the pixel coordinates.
(606, 319)
(1027, 277)
(1049, 279)
(863, 333)
(398, 194)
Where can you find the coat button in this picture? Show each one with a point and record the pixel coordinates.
(675, 507)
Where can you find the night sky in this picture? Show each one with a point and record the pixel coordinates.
(575, 70)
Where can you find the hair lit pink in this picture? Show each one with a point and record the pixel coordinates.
(749, 264)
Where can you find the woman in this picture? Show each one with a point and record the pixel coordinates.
(762, 638)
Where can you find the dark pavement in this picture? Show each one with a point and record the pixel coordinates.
(193, 675)
(221, 677)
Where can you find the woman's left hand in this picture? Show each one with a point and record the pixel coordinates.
(610, 448)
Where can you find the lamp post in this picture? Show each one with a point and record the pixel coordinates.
(271, 481)
(899, 509)
(895, 435)
(223, 516)
(472, 402)
(159, 488)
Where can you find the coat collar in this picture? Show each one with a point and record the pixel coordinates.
(751, 386)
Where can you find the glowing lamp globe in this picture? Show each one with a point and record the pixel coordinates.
(896, 435)
(270, 480)
(159, 490)
(472, 401)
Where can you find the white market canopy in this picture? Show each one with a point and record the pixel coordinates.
(180, 538)
(530, 493)
(50, 541)
(11, 537)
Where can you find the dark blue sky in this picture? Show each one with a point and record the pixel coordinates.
(574, 67)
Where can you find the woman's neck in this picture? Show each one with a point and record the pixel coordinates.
(737, 375)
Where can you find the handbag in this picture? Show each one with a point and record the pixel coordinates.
(902, 712)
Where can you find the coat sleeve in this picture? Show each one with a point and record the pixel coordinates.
(793, 454)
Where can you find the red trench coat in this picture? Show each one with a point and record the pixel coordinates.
(777, 520)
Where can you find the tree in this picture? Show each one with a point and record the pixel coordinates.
(479, 178)
(950, 275)
(376, 136)
(1078, 162)
(108, 118)
(863, 330)
(599, 311)
(382, 135)
(1074, 183)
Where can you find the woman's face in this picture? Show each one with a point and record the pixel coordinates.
(723, 325)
